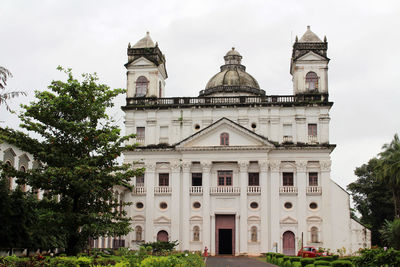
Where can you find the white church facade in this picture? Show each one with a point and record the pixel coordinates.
(234, 169)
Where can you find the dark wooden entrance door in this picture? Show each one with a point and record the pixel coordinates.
(288, 243)
(162, 236)
(225, 234)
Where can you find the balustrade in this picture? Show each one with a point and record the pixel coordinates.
(253, 190)
(288, 190)
(196, 190)
(224, 190)
(312, 139)
(314, 190)
(162, 190)
(139, 190)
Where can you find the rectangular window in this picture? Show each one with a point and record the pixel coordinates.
(164, 134)
(313, 179)
(254, 179)
(224, 178)
(287, 178)
(312, 129)
(140, 133)
(287, 130)
(197, 179)
(140, 181)
(163, 179)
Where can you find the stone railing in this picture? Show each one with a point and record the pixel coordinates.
(312, 139)
(196, 190)
(288, 190)
(139, 140)
(314, 190)
(253, 190)
(139, 190)
(261, 100)
(224, 190)
(287, 139)
(162, 190)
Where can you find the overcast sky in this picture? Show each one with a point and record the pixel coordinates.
(92, 36)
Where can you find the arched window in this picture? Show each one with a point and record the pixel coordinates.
(9, 178)
(141, 86)
(162, 236)
(138, 231)
(224, 139)
(196, 233)
(253, 232)
(23, 187)
(314, 234)
(312, 81)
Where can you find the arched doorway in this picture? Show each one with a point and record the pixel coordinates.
(162, 236)
(288, 243)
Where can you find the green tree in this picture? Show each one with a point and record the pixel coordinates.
(372, 198)
(4, 74)
(391, 233)
(78, 147)
(389, 168)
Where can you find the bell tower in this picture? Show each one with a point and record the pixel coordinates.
(309, 64)
(146, 71)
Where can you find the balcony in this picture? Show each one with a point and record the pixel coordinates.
(140, 140)
(312, 139)
(205, 101)
(139, 190)
(162, 190)
(253, 190)
(288, 190)
(196, 190)
(225, 190)
(314, 190)
(287, 139)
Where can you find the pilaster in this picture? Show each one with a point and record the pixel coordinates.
(275, 204)
(175, 199)
(265, 237)
(301, 175)
(243, 168)
(206, 165)
(185, 231)
(150, 178)
(326, 202)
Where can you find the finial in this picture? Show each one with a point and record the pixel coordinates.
(325, 40)
(156, 43)
(297, 39)
(233, 48)
(308, 27)
(147, 33)
(129, 45)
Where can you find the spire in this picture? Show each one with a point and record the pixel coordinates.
(145, 42)
(309, 37)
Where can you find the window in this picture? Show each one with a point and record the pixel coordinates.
(196, 205)
(141, 86)
(139, 205)
(196, 233)
(288, 205)
(313, 205)
(163, 205)
(254, 205)
(164, 134)
(140, 181)
(313, 179)
(224, 139)
(163, 179)
(312, 129)
(311, 81)
(140, 132)
(159, 89)
(314, 234)
(287, 179)
(138, 231)
(224, 178)
(253, 232)
(254, 179)
(197, 179)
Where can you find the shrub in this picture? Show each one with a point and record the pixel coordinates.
(321, 262)
(159, 246)
(294, 259)
(306, 261)
(310, 265)
(296, 264)
(341, 263)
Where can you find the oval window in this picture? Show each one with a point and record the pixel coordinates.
(254, 205)
(163, 205)
(288, 205)
(313, 205)
(139, 205)
(196, 205)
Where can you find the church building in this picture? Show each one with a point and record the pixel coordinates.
(234, 169)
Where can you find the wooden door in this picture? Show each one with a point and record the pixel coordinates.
(288, 243)
(162, 236)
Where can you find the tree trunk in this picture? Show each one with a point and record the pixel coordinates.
(396, 200)
(73, 244)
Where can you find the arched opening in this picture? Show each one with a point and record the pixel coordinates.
(314, 234)
(196, 233)
(138, 231)
(288, 243)
(312, 81)
(162, 236)
(253, 232)
(10, 180)
(141, 86)
(23, 187)
(224, 139)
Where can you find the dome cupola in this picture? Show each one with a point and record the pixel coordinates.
(233, 79)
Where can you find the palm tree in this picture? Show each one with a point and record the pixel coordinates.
(4, 74)
(389, 167)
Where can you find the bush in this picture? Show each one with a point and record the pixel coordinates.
(294, 259)
(296, 264)
(160, 246)
(341, 263)
(321, 262)
(306, 261)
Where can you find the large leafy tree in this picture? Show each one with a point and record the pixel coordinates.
(372, 198)
(78, 147)
(4, 74)
(389, 168)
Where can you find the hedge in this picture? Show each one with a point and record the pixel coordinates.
(341, 263)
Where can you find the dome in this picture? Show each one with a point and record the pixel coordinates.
(145, 42)
(309, 37)
(232, 78)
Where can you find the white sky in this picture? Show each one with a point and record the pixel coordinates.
(92, 36)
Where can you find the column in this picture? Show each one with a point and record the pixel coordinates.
(265, 219)
(237, 216)
(150, 178)
(301, 175)
(275, 205)
(326, 202)
(243, 178)
(206, 165)
(175, 200)
(185, 231)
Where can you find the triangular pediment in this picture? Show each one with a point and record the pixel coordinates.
(239, 137)
(162, 220)
(311, 56)
(288, 220)
(24, 158)
(142, 61)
